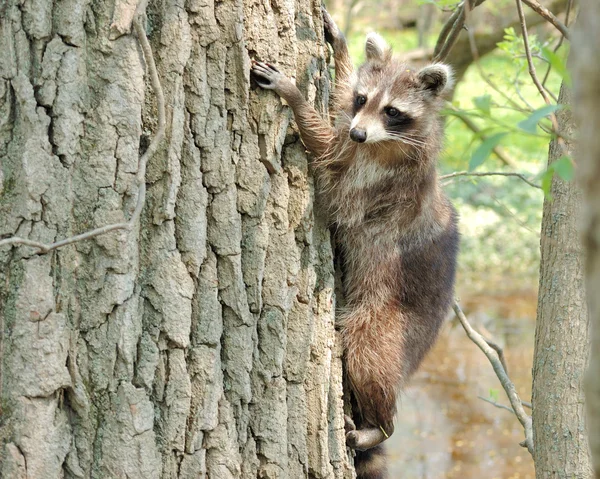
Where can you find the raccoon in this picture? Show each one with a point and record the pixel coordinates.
(395, 228)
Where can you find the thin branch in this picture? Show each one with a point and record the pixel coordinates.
(499, 152)
(451, 30)
(487, 78)
(548, 91)
(496, 404)
(532, 71)
(560, 41)
(143, 161)
(499, 352)
(502, 406)
(445, 31)
(455, 31)
(510, 213)
(520, 94)
(505, 381)
(490, 173)
(548, 16)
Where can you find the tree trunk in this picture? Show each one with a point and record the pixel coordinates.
(586, 44)
(202, 342)
(561, 333)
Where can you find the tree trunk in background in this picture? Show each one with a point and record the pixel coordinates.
(586, 44)
(562, 330)
(203, 341)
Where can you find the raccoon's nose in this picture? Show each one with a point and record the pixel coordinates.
(358, 135)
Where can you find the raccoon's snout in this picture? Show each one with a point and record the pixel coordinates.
(358, 135)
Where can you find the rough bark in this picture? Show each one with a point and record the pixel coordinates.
(203, 341)
(586, 44)
(562, 330)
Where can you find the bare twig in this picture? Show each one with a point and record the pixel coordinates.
(484, 76)
(520, 94)
(532, 71)
(496, 404)
(505, 381)
(445, 31)
(499, 352)
(451, 30)
(548, 16)
(560, 41)
(490, 173)
(454, 32)
(510, 213)
(141, 174)
(548, 91)
(502, 406)
(499, 152)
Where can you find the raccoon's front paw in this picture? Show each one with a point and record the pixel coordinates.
(268, 77)
(332, 32)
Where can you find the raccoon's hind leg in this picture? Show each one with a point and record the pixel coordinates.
(373, 347)
(316, 133)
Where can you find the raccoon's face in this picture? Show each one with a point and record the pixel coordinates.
(392, 102)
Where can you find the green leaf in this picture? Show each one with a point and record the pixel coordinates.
(494, 395)
(484, 150)
(564, 168)
(483, 103)
(547, 181)
(558, 63)
(530, 124)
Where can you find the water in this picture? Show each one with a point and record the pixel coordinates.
(443, 429)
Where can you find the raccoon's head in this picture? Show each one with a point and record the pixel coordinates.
(393, 102)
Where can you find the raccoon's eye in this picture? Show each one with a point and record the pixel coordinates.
(392, 112)
(360, 100)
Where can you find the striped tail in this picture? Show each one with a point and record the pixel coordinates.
(371, 464)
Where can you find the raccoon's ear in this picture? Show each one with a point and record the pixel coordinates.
(436, 78)
(377, 49)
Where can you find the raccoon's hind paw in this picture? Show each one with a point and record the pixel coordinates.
(332, 32)
(363, 439)
(267, 76)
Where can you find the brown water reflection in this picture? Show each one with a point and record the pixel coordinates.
(443, 430)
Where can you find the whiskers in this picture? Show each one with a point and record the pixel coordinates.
(417, 142)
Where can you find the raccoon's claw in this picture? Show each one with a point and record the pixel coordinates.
(332, 32)
(352, 439)
(266, 75)
(349, 424)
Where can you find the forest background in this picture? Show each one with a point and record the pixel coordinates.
(167, 303)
